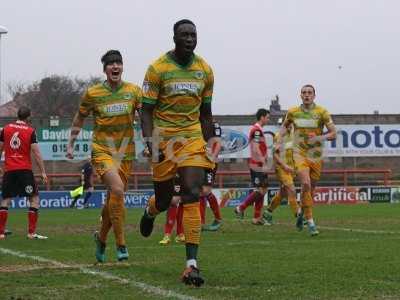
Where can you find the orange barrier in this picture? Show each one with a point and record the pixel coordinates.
(387, 173)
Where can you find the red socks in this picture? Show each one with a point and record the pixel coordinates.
(3, 218)
(174, 213)
(214, 206)
(258, 200)
(171, 217)
(33, 215)
(203, 205)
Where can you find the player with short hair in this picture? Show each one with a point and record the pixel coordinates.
(18, 140)
(308, 120)
(112, 104)
(284, 170)
(176, 123)
(257, 165)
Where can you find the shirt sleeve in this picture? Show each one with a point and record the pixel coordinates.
(86, 105)
(256, 136)
(151, 86)
(34, 137)
(288, 118)
(209, 86)
(275, 147)
(138, 98)
(326, 118)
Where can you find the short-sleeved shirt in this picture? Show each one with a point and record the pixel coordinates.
(17, 138)
(308, 122)
(114, 113)
(257, 139)
(177, 93)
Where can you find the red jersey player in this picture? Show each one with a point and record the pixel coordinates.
(174, 215)
(257, 164)
(206, 193)
(18, 140)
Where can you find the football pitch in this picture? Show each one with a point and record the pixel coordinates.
(356, 256)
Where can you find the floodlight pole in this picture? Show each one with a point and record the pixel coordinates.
(3, 30)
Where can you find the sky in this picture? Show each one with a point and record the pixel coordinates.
(348, 49)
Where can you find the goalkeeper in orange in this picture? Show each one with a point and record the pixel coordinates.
(284, 169)
(308, 120)
(113, 104)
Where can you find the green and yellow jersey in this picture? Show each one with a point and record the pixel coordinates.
(287, 147)
(307, 123)
(177, 93)
(113, 113)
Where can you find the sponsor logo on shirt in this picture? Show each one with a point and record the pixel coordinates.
(127, 96)
(183, 88)
(116, 109)
(306, 123)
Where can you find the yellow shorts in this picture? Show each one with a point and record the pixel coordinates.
(188, 152)
(314, 166)
(285, 178)
(103, 163)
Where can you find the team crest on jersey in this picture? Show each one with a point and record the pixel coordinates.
(29, 189)
(127, 96)
(199, 75)
(315, 116)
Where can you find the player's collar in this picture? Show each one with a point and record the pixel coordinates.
(108, 87)
(309, 109)
(20, 122)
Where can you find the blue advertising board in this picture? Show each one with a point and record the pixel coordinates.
(62, 199)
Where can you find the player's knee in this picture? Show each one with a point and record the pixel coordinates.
(34, 201)
(262, 190)
(306, 186)
(206, 190)
(175, 200)
(190, 195)
(117, 190)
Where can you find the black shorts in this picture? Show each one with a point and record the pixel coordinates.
(177, 186)
(19, 183)
(209, 177)
(258, 179)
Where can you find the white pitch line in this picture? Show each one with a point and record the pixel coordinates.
(141, 285)
(359, 230)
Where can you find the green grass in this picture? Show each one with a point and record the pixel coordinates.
(241, 261)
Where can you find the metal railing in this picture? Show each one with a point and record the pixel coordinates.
(221, 175)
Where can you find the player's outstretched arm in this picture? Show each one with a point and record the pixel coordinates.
(39, 160)
(77, 124)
